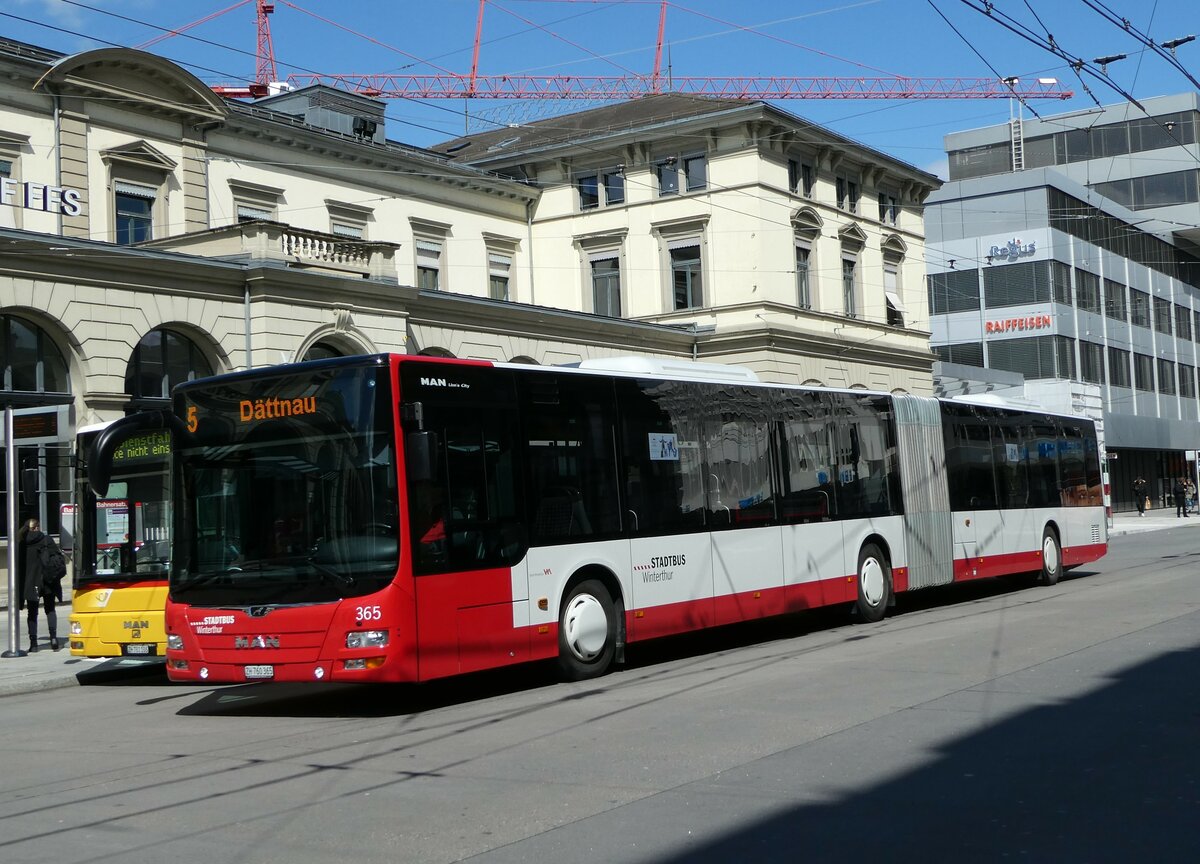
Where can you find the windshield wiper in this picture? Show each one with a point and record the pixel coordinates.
(329, 572)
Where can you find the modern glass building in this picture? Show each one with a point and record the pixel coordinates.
(1064, 250)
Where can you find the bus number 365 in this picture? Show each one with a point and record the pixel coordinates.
(367, 613)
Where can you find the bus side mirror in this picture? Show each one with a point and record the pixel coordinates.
(421, 449)
(105, 446)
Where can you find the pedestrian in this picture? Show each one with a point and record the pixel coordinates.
(1179, 492)
(37, 585)
(1139, 494)
(1191, 496)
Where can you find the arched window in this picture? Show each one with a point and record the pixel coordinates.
(435, 352)
(322, 351)
(35, 372)
(161, 360)
(522, 358)
(34, 376)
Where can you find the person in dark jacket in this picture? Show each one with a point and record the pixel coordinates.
(1179, 492)
(34, 586)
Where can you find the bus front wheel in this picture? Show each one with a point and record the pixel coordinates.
(587, 631)
(874, 583)
(1051, 557)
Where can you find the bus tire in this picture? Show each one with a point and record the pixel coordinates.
(874, 584)
(1051, 557)
(587, 631)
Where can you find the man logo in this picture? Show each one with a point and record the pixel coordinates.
(433, 382)
(255, 641)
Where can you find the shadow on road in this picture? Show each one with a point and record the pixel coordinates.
(1111, 776)
(124, 672)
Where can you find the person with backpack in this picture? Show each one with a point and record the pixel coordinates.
(42, 563)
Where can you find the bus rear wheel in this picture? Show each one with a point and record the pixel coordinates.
(1051, 557)
(587, 631)
(874, 583)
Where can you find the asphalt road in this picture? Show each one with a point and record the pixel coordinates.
(979, 723)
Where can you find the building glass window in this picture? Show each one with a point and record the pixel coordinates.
(847, 194)
(966, 353)
(614, 187)
(1091, 362)
(1017, 284)
(162, 359)
(668, 176)
(1196, 323)
(348, 230)
(891, 293)
(1187, 382)
(322, 351)
(695, 172)
(1060, 278)
(606, 285)
(589, 191)
(250, 213)
(1166, 377)
(429, 264)
(1143, 372)
(1118, 367)
(953, 291)
(1183, 322)
(687, 282)
(1087, 291)
(1064, 349)
(849, 287)
(889, 207)
(32, 364)
(1115, 304)
(134, 211)
(803, 290)
(1139, 308)
(499, 267)
(1162, 315)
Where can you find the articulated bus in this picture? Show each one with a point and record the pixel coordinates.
(403, 518)
(122, 550)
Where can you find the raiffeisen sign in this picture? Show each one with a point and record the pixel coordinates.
(39, 196)
(1017, 324)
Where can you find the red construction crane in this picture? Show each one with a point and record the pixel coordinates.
(449, 85)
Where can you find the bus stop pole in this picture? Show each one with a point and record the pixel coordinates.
(10, 472)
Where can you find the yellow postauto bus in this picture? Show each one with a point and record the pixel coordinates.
(122, 550)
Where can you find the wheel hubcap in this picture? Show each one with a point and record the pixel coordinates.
(1050, 554)
(870, 577)
(585, 626)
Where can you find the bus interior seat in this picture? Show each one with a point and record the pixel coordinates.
(561, 513)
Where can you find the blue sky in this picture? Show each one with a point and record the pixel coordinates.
(849, 38)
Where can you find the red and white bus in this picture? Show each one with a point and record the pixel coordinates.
(402, 518)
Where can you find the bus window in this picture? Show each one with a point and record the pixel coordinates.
(806, 457)
(1012, 475)
(1041, 446)
(570, 448)
(738, 453)
(969, 472)
(1071, 463)
(661, 431)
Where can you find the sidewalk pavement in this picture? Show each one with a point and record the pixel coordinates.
(49, 670)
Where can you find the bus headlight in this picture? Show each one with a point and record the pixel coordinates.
(76, 628)
(366, 639)
(174, 642)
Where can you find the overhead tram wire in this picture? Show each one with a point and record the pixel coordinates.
(986, 63)
(1126, 25)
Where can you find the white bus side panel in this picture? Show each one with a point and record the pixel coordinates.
(813, 553)
(748, 571)
(549, 568)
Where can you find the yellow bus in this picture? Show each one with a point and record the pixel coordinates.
(122, 550)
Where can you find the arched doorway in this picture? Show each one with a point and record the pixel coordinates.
(35, 375)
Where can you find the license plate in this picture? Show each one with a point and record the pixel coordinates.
(136, 649)
(260, 672)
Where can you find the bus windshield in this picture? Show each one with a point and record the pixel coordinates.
(288, 488)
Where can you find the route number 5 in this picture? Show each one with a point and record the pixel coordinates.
(192, 420)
